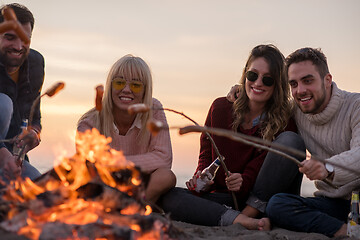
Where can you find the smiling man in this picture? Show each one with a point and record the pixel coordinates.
(21, 79)
(328, 119)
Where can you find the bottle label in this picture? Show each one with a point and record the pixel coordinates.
(355, 197)
(200, 184)
(353, 229)
(24, 123)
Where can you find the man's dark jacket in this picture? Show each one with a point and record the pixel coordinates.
(24, 92)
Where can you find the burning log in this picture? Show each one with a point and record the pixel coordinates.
(94, 194)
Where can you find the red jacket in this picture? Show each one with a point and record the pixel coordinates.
(239, 157)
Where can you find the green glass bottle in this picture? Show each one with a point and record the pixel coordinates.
(353, 225)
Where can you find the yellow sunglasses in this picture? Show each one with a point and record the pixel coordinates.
(119, 83)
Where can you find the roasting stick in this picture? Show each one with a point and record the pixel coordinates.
(137, 108)
(54, 89)
(50, 92)
(236, 136)
(269, 146)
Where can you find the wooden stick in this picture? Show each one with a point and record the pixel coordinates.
(272, 147)
(221, 158)
(54, 89)
(237, 136)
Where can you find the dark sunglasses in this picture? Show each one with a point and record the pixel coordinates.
(253, 76)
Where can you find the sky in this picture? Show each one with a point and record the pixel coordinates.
(195, 49)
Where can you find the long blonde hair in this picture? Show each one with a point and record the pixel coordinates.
(279, 107)
(126, 66)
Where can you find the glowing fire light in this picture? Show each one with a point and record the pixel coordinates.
(95, 166)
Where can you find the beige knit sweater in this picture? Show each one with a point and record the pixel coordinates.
(334, 134)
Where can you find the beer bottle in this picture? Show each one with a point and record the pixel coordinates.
(208, 174)
(16, 149)
(353, 225)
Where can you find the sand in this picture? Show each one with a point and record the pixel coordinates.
(236, 231)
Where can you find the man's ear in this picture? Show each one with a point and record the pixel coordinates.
(328, 80)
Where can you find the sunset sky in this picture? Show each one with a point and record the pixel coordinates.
(196, 50)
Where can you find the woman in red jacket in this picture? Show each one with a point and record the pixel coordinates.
(263, 110)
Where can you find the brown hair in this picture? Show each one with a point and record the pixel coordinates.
(316, 56)
(278, 108)
(22, 13)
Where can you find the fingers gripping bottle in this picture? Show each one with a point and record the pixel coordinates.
(353, 226)
(208, 174)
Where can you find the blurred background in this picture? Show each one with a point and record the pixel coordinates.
(196, 50)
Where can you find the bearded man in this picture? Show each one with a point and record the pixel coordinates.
(21, 79)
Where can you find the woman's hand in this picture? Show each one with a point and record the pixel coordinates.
(192, 183)
(233, 94)
(234, 181)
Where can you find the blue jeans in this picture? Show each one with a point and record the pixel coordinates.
(313, 214)
(6, 110)
(277, 175)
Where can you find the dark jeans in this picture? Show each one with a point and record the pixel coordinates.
(313, 214)
(206, 210)
(276, 175)
(6, 110)
(27, 170)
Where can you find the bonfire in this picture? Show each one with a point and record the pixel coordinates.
(96, 194)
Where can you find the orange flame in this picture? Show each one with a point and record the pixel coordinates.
(93, 159)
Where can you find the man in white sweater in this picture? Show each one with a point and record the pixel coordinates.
(329, 122)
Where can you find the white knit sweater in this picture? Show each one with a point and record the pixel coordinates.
(334, 134)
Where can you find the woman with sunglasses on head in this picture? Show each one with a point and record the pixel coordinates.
(130, 82)
(262, 110)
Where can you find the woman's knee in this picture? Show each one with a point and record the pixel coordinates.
(164, 176)
(291, 139)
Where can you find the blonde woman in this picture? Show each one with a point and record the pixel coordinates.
(129, 82)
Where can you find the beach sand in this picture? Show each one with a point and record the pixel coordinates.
(236, 231)
(186, 231)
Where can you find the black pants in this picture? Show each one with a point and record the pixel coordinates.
(277, 175)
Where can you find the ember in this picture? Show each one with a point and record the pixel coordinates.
(95, 194)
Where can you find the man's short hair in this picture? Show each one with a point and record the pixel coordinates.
(315, 55)
(22, 13)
